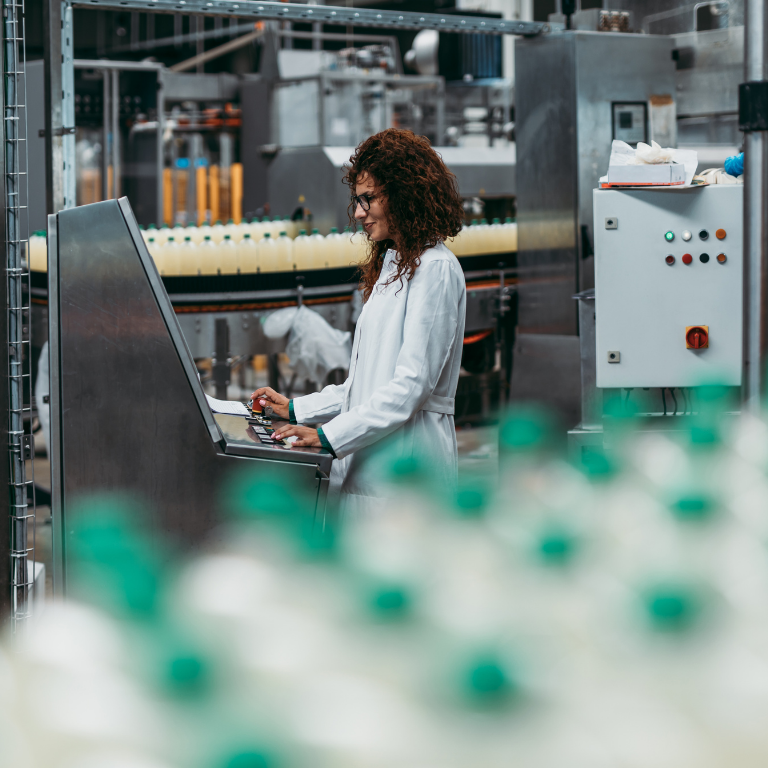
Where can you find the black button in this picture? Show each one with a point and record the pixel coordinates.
(704, 258)
(703, 234)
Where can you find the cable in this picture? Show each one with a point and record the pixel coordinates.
(674, 399)
(664, 400)
(685, 400)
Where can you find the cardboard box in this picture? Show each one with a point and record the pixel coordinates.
(670, 174)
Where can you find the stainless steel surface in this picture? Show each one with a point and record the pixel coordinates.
(591, 396)
(128, 411)
(67, 79)
(311, 177)
(565, 87)
(755, 219)
(331, 14)
(19, 403)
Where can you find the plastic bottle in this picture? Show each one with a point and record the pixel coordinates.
(256, 229)
(510, 235)
(150, 231)
(161, 238)
(357, 248)
(38, 252)
(155, 251)
(275, 228)
(189, 257)
(319, 257)
(302, 251)
(217, 232)
(334, 248)
(228, 256)
(209, 256)
(247, 255)
(195, 233)
(268, 260)
(285, 258)
(171, 260)
(291, 227)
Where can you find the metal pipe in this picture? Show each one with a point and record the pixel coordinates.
(106, 89)
(755, 219)
(116, 133)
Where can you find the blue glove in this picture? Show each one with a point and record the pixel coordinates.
(735, 165)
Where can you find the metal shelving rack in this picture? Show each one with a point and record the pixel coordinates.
(21, 483)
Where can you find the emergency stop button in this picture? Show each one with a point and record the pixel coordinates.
(697, 337)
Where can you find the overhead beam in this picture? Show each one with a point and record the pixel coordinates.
(325, 14)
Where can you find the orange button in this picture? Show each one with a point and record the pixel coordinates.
(722, 258)
(687, 258)
(720, 234)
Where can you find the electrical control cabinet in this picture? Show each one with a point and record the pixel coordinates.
(668, 286)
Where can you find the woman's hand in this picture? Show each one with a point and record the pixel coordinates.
(308, 437)
(268, 396)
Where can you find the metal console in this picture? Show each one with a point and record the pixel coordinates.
(128, 412)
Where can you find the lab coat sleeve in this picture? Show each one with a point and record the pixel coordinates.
(429, 335)
(320, 407)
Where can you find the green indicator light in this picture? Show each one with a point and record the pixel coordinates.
(669, 237)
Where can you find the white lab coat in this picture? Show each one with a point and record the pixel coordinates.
(402, 380)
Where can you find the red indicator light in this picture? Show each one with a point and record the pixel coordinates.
(670, 260)
(687, 258)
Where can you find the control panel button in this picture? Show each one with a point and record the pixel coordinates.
(720, 234)
(721, 258)
(704, 258)
(697, 337)
(687, 258)
(670, 259)
(704, 235)
(669, 236)
(686, 235)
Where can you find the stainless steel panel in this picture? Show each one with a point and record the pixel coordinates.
(565, 87)
(180, 86)
(591, 396)
(547, 171)
(129, 413)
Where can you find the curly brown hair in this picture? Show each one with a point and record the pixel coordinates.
(420, 197)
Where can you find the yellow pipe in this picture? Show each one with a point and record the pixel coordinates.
(167, 196)
(213, 192)
(237, 192)
(202, 193)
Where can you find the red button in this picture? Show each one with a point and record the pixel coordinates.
(687, 258)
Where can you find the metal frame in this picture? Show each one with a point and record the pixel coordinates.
(17, 304)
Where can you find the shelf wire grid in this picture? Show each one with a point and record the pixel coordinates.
(22, 485)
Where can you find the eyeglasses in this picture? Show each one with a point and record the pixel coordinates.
(364, 201)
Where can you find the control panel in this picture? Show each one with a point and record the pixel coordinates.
(668, 286)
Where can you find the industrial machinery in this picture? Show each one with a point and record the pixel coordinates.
(665, 316)
(128, 412)
(668, 287)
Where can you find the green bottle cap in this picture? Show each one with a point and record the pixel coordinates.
(151, 239)
(227, 237)
(247, 235)
(315, 231)
(231, 221)
(508, 220)
(207, 237)
(165, 226)
(474, 223)
(334, 230)
(303, 232)
(171, 240)
(497, 221)
(152, 226)
(390, 601)
(483, 221)
(187, 239)
(265, 218)
(283, 234)
(141, 227)
(267, 235)
(218, 223)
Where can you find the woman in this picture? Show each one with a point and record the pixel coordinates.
(406, 353)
